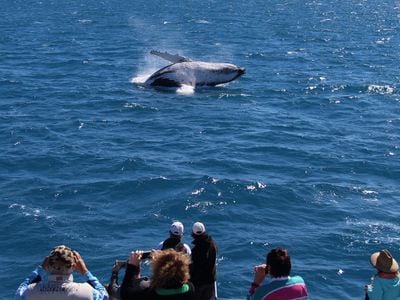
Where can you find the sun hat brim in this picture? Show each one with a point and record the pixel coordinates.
(374, 262)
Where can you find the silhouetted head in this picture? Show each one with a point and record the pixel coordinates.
(278, 262)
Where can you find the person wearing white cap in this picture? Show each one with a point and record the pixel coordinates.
(175, 239)
(385, 284)
(203, 267)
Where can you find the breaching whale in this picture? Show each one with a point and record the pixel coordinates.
(184, 71)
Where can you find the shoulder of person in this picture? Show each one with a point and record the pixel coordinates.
(296, 279)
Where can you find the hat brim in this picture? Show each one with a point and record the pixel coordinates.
(374, 258)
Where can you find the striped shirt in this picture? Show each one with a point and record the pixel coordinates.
(281, 288)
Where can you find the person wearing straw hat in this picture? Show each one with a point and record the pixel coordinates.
(385, 284)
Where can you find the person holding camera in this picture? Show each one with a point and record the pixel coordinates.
(170, 278)
(58, 283)
(280, 285)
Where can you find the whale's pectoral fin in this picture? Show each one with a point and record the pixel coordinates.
(174, 58)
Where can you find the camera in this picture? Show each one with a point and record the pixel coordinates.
(146, 255)
(120, 263)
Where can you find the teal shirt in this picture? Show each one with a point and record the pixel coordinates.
(384, 289)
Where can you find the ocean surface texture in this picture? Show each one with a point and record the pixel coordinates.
(301, 152)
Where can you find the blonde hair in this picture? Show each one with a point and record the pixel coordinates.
(61, 260)
(170, 269)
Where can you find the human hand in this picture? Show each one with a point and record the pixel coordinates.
(118, 265)
(259, 273)
(80, 265)
(135, 257)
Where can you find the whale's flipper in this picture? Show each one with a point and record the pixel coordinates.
(174, 58)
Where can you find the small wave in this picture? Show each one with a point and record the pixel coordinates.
(139, 106)
(375, 232)
(198, 192)
(380, 89)
(257, 186)
(214, 180)
(29, 211)
(295, 52)
(227, 95)
(202, 22)
(382, 41)
(369, 192)
(202, 206)
(255, 55)
(85, 21)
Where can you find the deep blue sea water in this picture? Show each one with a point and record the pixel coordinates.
(301, 152)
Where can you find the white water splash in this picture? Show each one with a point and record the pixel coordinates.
(30, 211)
(140, 78)
(258, 185)
(380, 89)
(185, 90)
(197, 192)
(214, 180)
(85, 21)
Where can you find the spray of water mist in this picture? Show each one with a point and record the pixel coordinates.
(145, 70)
(155, 38)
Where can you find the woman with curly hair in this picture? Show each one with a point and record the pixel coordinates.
(170, 279)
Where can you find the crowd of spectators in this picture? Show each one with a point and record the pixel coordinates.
(180, 272)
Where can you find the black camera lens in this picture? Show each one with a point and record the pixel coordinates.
(146, 255)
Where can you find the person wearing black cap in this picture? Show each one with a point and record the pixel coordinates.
(385, 283)
(203, 267)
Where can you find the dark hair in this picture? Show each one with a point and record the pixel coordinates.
(279, 263)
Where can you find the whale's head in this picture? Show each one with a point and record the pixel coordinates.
(232, 71)
(223, 73)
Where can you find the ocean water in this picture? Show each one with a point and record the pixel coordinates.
(301, 152)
